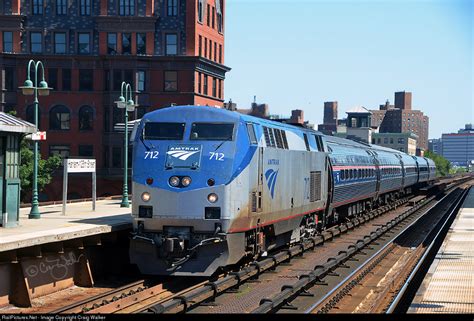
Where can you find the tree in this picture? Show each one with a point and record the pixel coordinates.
(443, 166)
(46, 168)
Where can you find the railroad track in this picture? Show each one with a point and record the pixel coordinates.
(130, 298)
(183, 295)
(374, 285)
(209, 294)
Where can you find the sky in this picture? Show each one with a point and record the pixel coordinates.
(294, 54)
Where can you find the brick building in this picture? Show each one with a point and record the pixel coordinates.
(329, 124)
(401, 118)
(171, 51)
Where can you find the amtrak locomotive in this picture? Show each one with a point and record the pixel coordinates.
(212, 187)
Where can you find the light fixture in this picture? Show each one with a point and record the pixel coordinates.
(27, 89)
(186, 181)
(174, 181)
(212, 198)
(43, 89)
(121, 102)
(146, 196)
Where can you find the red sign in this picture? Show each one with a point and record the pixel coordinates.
(38, 136)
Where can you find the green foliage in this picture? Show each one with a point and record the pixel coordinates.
(457, 170)
(46, 168)
(443, 166)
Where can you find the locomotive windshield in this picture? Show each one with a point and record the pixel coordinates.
(164, 131)
(212, 131)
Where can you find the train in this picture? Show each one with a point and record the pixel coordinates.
(213, 188)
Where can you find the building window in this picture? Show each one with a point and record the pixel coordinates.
(171, 44)
(84, 43)
(61, 150)
(391, 140)
(106, 79)
(128, 77)
(208, 12)
(9, 83)
(86, 150)
(200, 46)
(127, 7)
(59, 118)
(141, 80)
(141, 44)
(172, 7)
(111, 43)
(30, 115)
(116, 157)
(60, 42)
(85, 7)
(205, 47)
(219, 15)
(214, 85)
(210, 49)
(37, 6)
(205, 85)
(36, 40)
(385, 140)
(220, 54)
(66, 81)
(401, 140)
(213, 18)
(117, 80)
(86, 118)
(61, 7)
(7, 41)
(220, 88)
(86, 80)
(53, 78)
(126, 43)
(141, 111)
(199, 82)
(171, 80)
(215, 51)
(200, 10)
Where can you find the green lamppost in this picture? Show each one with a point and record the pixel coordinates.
(127, 105)
(42, 89)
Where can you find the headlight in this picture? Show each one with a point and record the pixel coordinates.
(186, 181)
(174, 181)
(212, 198)
(146, 196)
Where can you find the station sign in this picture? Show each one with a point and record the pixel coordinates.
(80, 165)
(38, 136)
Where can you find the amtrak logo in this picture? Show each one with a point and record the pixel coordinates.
(271, 176)
(182, 155)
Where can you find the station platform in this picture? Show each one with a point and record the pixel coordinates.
(448, 286)
(79, 221)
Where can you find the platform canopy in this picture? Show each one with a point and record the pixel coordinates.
(12, 124)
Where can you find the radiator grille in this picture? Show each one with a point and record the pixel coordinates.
(315, 186)
(254, 201)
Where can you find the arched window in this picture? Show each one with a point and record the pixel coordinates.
(86, 118)
(30, 115)
(59, 118)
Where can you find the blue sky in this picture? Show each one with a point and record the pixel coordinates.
(297, 54)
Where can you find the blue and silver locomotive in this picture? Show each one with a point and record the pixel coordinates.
(212, 187)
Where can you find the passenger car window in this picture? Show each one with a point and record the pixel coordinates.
(163, 131)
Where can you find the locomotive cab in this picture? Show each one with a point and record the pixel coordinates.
(181, 175)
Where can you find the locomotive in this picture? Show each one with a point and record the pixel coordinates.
(212, 187)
